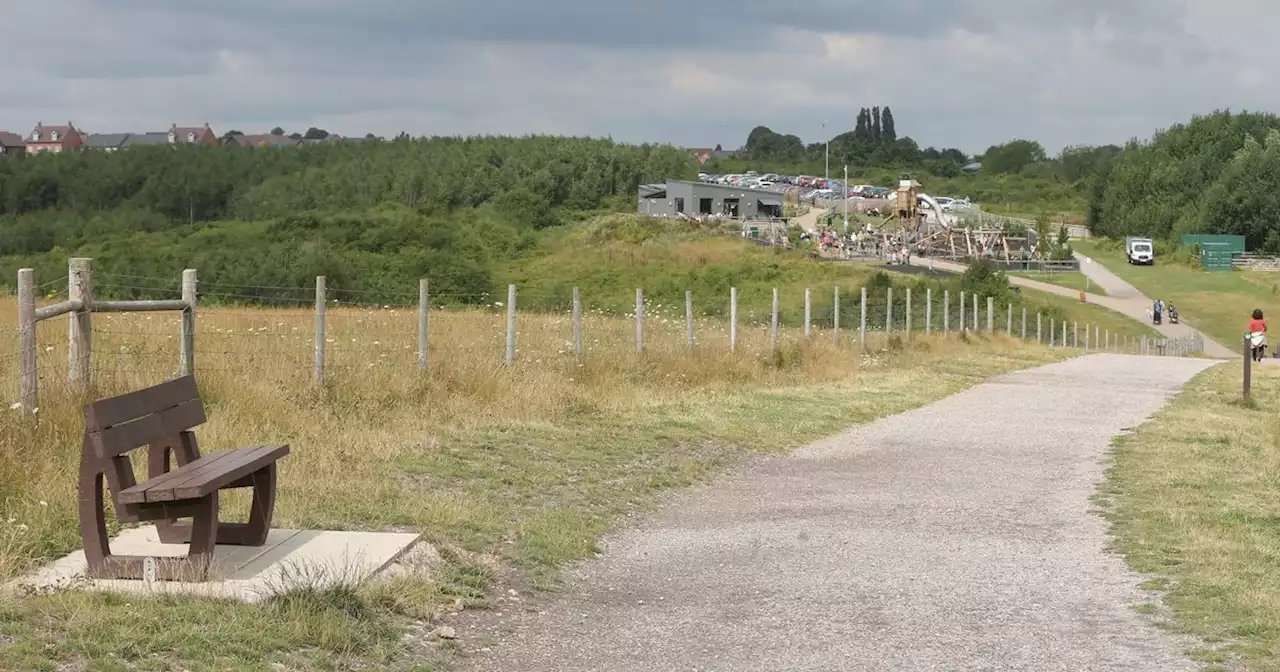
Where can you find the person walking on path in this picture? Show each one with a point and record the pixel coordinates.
(1257, 335)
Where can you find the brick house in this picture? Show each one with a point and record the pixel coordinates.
(11, 144)
(192, 135)
(53, 139)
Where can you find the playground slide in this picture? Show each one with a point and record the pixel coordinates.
(937, 210)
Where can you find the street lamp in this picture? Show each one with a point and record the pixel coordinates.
(827, 174)
(845, 189)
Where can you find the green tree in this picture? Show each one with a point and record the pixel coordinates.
(277, 131)
(877, 135)
(887, 129)
(1012, 157)
(314, 133)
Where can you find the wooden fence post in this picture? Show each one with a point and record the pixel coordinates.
(1039, 331)
(773, 321)
(1075, 331)
(187, 347)
(688, 316)
(991, 317)
(961, 329)
(1008, 325)
(577, 323)
(1248, 369)
(888, 311)
(908, 312)
(424, 322)
(1024, 323)
(1052, 331)
(835, 319)
(1086, 338)
(80, 331)
(928, 310)
(29, 384)
(946, 311)
(1064, 333)
(808, 313)
(733, 319)
(1095, 335)
(639, 320)
(862, 321)
(317, 371)
(974, 319)
(1107, 344)
(511, 323)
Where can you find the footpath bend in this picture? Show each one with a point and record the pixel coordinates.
(959, 536)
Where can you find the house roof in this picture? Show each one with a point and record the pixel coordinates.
(103, 140)
(42, 133)
(142, 139)
(8, 139)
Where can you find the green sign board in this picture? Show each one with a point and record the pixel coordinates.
(1216, 251)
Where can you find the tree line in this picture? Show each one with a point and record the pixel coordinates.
(373, 216)
(1218, 173)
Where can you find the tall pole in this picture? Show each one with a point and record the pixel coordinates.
(844, 195)
(827, 174)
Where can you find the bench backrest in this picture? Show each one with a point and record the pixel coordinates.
(117, 425)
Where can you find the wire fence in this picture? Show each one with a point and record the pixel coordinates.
(317, 333)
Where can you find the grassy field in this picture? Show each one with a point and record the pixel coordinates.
(1194, 497)
(511, 471)
(1217, 303)
(1069, 279)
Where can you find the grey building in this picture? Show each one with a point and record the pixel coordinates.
(698, 199)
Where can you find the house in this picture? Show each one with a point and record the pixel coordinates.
(191, 135)
(11, 144)
(105, 142)
(53, 139)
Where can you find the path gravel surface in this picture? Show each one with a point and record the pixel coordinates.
(959, 536)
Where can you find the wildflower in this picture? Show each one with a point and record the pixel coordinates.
(44, 503)
(17, 405)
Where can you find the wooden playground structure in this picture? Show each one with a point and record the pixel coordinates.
(934, 233)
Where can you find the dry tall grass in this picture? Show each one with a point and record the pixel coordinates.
(254, 369)
(522, 465)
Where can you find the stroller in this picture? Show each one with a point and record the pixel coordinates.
(1173, 314)
(1257, 345)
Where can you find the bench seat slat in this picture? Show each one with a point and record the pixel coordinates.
(203, 476)
(116, 410)
(239, 464)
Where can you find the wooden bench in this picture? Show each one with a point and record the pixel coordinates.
(162, 417)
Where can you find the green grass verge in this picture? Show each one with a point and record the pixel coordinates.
(1194, 499)
(1217, 303)
(543, 491)
(1069, 279)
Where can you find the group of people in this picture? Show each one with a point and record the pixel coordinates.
(1157, 312)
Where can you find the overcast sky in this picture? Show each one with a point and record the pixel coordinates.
(957, 73)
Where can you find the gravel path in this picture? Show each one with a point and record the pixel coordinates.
(959, 536)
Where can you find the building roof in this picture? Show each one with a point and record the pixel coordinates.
(8, 139)
(143, 139)
(42, 133)
(104, 140)
(765, 193)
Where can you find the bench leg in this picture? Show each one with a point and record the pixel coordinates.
(253, 533)
(93, 520)
(203, 532)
